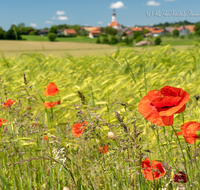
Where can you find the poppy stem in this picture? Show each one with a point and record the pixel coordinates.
(182, 154)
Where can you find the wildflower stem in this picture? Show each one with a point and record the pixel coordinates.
(182, 153)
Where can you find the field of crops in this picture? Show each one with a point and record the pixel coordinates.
(94, 136)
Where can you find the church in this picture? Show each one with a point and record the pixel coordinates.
(114, 23)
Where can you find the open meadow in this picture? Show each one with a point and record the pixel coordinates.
(13, 48)
(105, 122)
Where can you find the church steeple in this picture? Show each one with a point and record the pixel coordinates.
(113, 16)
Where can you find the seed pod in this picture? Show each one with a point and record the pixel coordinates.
(111, 135)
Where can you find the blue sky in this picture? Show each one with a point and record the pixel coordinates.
(44, 13)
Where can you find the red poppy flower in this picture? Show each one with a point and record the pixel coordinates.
(189, 131)
(180, 177)
(2, 122)
(103, 149)
(51, 104)
(78, 128)
(153, 167)
(158, 107)
(51, 89)
(8, 103)
(46, 137)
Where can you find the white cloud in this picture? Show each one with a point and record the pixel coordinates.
(62, 18)
(33, 24)
(86, 24)
(53, 18)
(60, 12)
(117, 5)
(100, 22)
(48, 22)
(153, 3)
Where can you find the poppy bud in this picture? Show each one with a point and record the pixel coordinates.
(197, 97)
(198, 133)
(111, 135)
(28, 108)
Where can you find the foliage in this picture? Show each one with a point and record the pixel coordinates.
(83, 32)
(158, 41)
(104, 91)
(168, 34)
(126, 40)
(145, 31)
(110, 30)
(175, 33)
(136, 34)
(13, 33)
(37, 149)
(138, 39)
(182, 36)
(174, 24)
(112, 39)
(53, 29)
(2, 33)
(34, 32)
(197, 29)
(52, 36)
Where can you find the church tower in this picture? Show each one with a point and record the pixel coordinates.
(113, 16)
(114, 23)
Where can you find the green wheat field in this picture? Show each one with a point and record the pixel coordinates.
(38, 150)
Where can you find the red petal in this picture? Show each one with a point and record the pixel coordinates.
(151, 113)
(190, 139)
(51, 89)
(181, 110)
(154, 94)
(169, 91)
(166, 101)
(178, 133)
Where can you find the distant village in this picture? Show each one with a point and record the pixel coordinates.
(94, 31)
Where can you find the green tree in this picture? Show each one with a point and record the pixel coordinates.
(2, 33)
(175, 33)
(13, 33)
(34, 32)
(136, 34)
(83, 33)
(157, 41)
(197, 29)
(139, 38)
(53, 29)
(168, 34)
(110, 30)
(145, 31)
(52, 36)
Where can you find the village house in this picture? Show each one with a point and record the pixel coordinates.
(183, 30)
(94, 33)
(43, 32)
(157, 32)
(68, 32)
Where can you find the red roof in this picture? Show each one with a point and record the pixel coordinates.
(157, 31)
(128, 32)
(114, 23)
(190, 27)
(70, 31)
(136, 28)
(95, 31)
